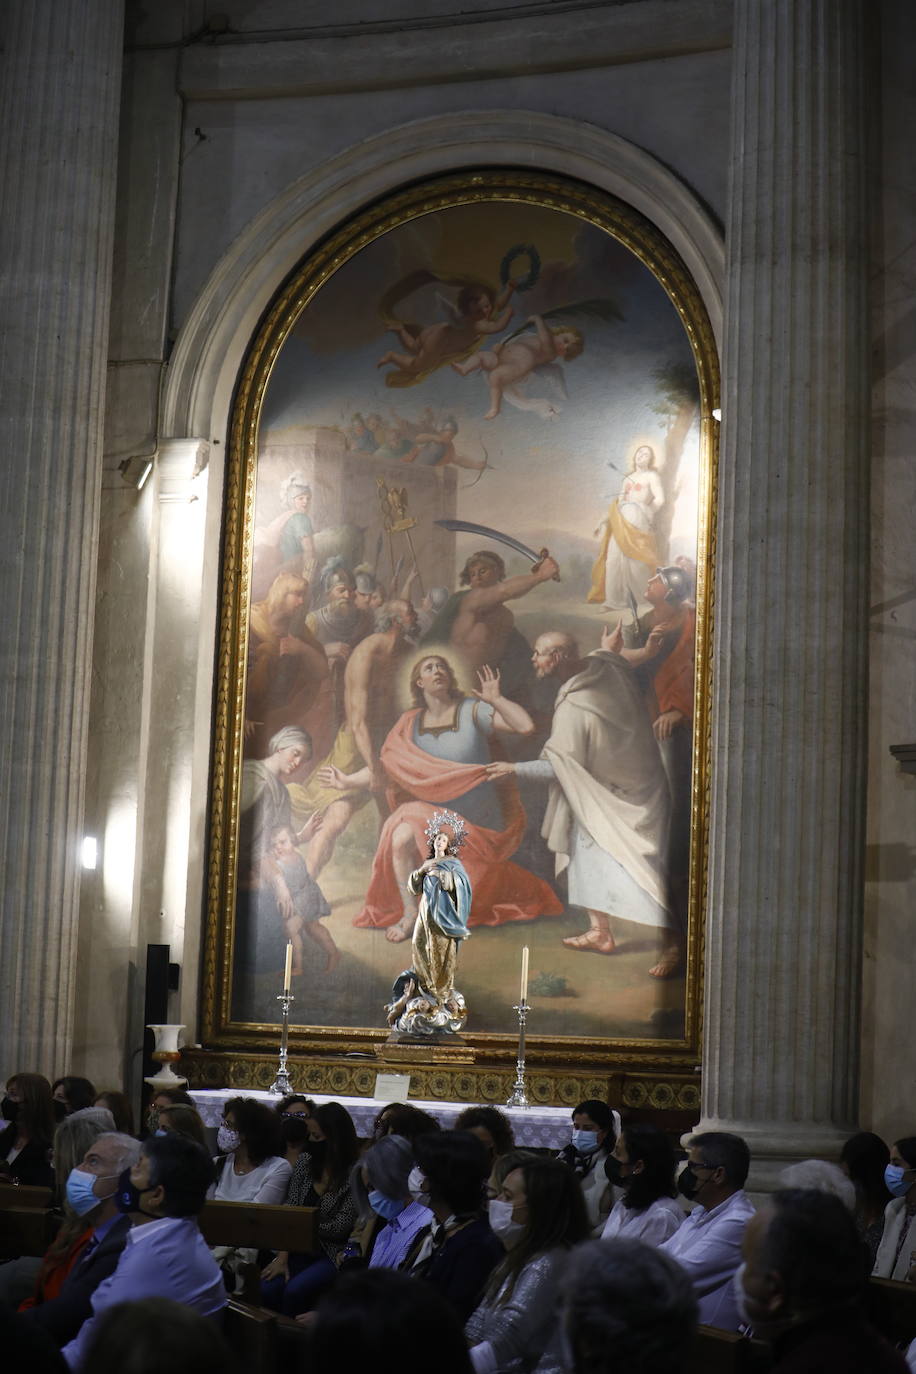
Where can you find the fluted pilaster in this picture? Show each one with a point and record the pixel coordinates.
(59, 100)
(785, 890)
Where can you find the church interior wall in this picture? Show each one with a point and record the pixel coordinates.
(888, 1057)
(185, 197)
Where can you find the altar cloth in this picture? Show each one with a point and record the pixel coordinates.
(537, 1128)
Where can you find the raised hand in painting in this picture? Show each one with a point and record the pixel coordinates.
(489, 685)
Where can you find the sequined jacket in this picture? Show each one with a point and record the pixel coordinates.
(521, 1331)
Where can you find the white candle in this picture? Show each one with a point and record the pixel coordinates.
(524, 993)
(287, 972)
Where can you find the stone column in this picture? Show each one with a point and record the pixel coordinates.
(59, 102)
(785, 879)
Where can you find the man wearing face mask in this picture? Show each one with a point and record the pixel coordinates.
(708, 1244)
(91, 1193)
(802, 1284)
(595, 1128)
(165, 1256)
(380, 1183)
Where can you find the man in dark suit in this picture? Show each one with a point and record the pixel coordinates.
(104, 1161)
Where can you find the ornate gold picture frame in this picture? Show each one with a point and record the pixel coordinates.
(521, 353)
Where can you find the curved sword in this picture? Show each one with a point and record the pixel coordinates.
(468, 527)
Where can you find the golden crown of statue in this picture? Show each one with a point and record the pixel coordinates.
(438, 822)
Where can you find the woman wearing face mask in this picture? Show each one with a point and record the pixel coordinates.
(898, 1239)
(642, 1163)
(294, 1113)
(595, 1128)
(459, 1251)
(389, 1215)
(292, 1284)
(254, 1169)
(25, 1144)
(539, 1216)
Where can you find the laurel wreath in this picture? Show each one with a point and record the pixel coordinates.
(521, 250)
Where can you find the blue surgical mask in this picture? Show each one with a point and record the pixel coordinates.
(895, 1181)
(81, 1191)
(387, 1207)
(585, 1142)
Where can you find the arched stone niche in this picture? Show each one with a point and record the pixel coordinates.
(211, 347)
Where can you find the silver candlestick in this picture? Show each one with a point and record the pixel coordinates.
(519, 1097)
(281, 1083)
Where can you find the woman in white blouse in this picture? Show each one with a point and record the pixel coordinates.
(253, 1169)
(642, 1164)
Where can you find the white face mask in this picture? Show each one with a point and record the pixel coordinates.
(415, 1181)
(501, 1222)
(227, 1139)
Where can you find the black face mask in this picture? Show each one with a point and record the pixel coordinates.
(317, 1149)
(613, 1172)
(127, 1198)
(10, 1109)
(688, 1185)
(295, 1130)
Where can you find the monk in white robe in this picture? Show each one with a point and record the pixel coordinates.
(609, 808)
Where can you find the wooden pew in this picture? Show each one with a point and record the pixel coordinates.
(722, 1352)
(252, 1334)
(259, 1226)
(26, 1231)
(891, 1307)
(22, 1195)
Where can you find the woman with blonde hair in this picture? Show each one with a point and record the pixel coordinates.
(629, 553)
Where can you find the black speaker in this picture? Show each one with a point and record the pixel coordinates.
(155, 1005)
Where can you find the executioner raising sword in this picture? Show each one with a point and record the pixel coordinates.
(477, 621)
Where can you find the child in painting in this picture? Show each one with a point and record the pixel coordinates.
(478, 312)
(301, 901)
(511, 363)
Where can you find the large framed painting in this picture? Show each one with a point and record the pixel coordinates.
(466, 570)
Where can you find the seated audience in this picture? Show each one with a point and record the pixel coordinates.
(400, 1118)
(380, 1187)
(30, 1276)
(165, 1097)
(539, 1216)
(802, 1285)
(165, 1256)
(88, 1246)
(292, 1283)
(864, 1157)
(459, 1251)
(595, 1129)
(253, 1169)
(627, 1307)
(708, 1243)
(898, 1236)
(25, 1144)
(643, 1165)
(822, 1175)
(122, 1112)
(294, 1113)
(491, 1126)
(183, 1121)
(157, 1335)
(73, 1093)
(379, 1320)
